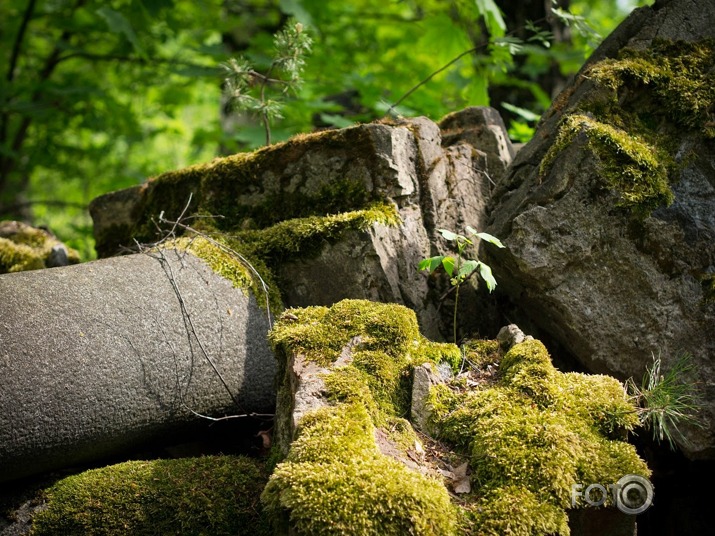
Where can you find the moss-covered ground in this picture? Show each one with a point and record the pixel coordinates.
(528, 430)
(211, 496)
(531, 432)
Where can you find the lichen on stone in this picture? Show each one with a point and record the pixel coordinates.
(207, 495)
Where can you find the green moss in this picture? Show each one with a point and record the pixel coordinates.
(221, 260)
(634, 168)
(213, 495)
(707, 282)
(517, 511)
(336, 481)
(27, 248)
(438, 352)
(232, 264)
(229, 255)
(679, 74)
(320, 333)
(529, 431)
(533, 433)
(19, 257)
(482, 352)
(252, 190)
(306, 236)
(650, 97)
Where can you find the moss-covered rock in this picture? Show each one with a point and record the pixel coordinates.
(338, 477)
(211, 495)
(529, 431)
(532, 433)
(648, 97)
(23, 247)
(245, 257)
(336, 481)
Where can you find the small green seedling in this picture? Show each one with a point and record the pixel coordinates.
(461, 268)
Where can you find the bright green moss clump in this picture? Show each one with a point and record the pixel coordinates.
(529, 431)
(23, 247)
(305, 236)
(212, 495)
(320, 333)
(679, 74)
(649, 97)
(530, 435)
(336, 481)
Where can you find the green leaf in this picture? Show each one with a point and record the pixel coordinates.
(431, 264)
(448, 263)
(448, 235)
(492, 17)
(467, 268)
(486, 272)
(491, 239)
(528, 115)
(118, 23)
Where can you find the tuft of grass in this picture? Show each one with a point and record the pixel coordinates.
(666, 400)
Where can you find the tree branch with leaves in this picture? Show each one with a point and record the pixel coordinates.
(291, 47)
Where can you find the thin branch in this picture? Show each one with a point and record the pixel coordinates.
(233, 253)
(431, 76)
(29, 10)
(181, 393)
(133, 59)
(264, 114)
(46, 202)
(223, 247)
(267, 79)
(451, 62)
(189, 324)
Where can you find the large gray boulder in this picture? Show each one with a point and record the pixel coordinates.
(101, 357)
(609, 212)
(436, 176)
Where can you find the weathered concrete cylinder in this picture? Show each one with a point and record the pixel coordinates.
(99, 357)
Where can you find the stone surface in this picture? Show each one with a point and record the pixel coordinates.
(511, 335)
(423, 379)
(436, 179)
(613, 289)
(100, 357)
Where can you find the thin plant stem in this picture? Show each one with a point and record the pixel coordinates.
(456, 304)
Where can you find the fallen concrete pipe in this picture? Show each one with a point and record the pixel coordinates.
(99, 357)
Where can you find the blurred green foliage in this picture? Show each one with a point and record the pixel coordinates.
(98, 95)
